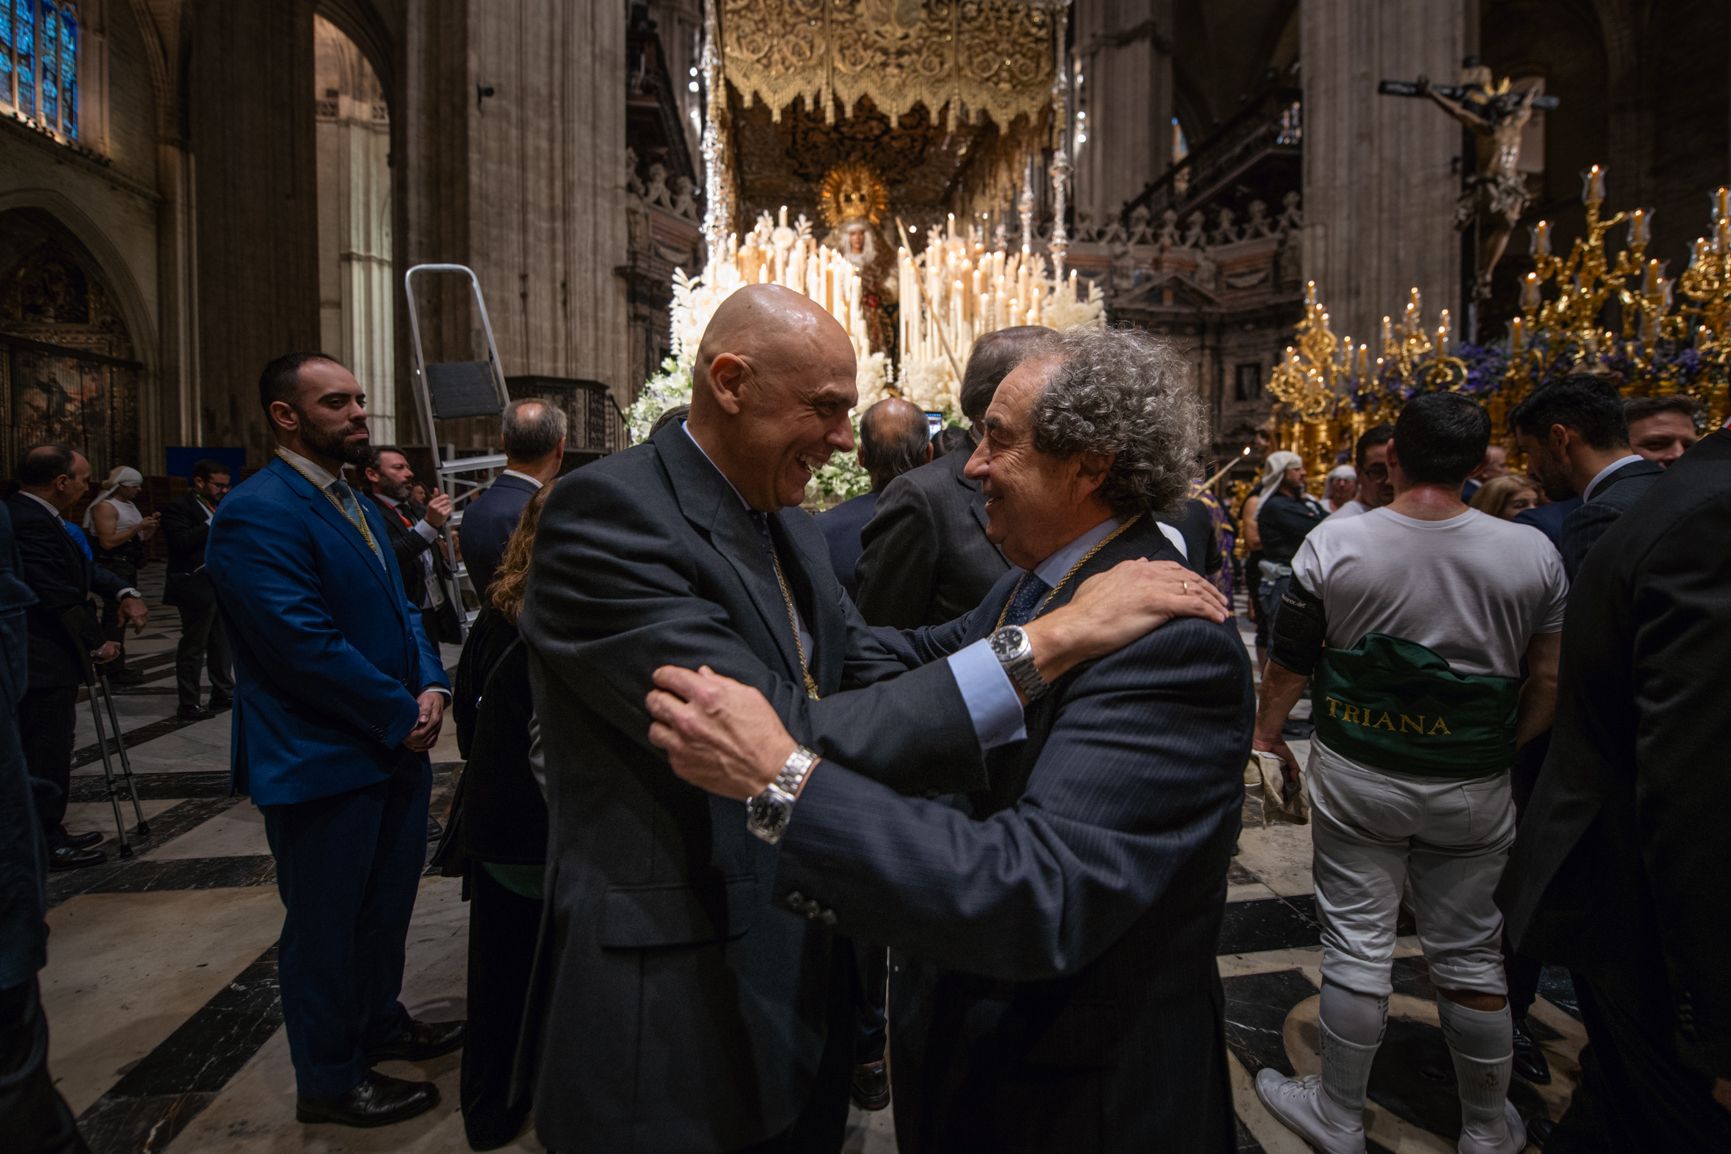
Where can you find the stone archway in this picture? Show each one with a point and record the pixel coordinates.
(70, 368)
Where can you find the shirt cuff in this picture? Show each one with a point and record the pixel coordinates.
(427, 532)
(993, 705)
(129, 591)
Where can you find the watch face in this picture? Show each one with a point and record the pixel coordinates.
(768, 816)
(1008, 643)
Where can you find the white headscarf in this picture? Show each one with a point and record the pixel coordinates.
(121, 475)
(1347, 471)
(1274, 470)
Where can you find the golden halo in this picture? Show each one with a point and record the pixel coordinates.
(852, 191)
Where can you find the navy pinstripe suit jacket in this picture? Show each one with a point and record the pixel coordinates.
(1055, 933)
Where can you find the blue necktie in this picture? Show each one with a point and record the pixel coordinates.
(78, 538)
(1025, 600)
(761, 522)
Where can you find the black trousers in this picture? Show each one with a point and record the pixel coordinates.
(871, 978)
(1636, 1096)
(46, 721)
(33, 1115)
(203, 643)
(503, 927)
(347, 868)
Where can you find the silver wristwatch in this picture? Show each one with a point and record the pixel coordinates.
(1010, 645)
(767, 814)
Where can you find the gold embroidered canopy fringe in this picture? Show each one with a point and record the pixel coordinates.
(972, 57)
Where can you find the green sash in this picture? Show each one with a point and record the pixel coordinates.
(1395, 705)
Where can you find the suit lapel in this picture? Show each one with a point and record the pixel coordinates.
(709, 502)
(324, 509)
(828, 639)
(976, 504)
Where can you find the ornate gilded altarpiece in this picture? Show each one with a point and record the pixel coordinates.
(66, 367)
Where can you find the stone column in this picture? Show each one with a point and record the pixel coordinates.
(1379, 176)
(1127, 87)
(547, 186)
(250, 124)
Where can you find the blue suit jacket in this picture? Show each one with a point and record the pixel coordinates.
(329, 656)
(1548, 519)
(488, 524)
(842, 527)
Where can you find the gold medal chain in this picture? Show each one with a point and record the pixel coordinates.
(1065, 579)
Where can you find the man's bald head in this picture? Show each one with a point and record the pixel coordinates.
(893, 438)
(771, 392)
(770, 328)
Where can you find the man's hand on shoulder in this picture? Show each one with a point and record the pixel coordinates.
(719, 734)
(1114, 608)
(432, 716)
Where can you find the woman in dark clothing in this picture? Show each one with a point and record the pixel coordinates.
(499, 828)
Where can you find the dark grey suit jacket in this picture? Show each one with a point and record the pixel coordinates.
(679, 1008)
(1058, 989)
(1618, 870)
(842, 527)
(487, 525)
(62, 624)
(1615, 495)
(925, 558)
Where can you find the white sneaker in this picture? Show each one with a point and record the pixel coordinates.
(1513, 1140)
(1299, 1106)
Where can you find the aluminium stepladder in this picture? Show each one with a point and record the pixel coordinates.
(450, 391)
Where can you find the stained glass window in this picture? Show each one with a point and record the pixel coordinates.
(24, 54)
(5, 54)
(48, 33)
(39, 41)
(69, 73)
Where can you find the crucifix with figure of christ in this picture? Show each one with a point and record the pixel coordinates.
(1494, 192)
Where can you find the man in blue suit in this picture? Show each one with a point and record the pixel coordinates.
(1058, 989)
(338, 697)
(533, 435)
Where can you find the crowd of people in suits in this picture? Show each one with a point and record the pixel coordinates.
(724, 760)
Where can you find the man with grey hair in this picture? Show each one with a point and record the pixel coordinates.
(1055, 930)
(533, 433)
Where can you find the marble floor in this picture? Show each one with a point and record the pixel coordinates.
(166, 1028)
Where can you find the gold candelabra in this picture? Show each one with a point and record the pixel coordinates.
(1329, 390)
(1624, 313)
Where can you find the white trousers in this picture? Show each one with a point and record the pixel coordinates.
(1376, 834)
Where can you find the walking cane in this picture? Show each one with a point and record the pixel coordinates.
(143, 826)
(98, 683)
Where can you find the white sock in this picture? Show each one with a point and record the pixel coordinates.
(1482, 1045)
(1352, 1028)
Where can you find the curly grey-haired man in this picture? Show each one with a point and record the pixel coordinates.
(1056, 986)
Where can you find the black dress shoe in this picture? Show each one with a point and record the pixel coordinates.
(221, 704)
(1530, 1061)
(89, 839)
(421, 1041)
(870, 1086)
(377, 1100)
(194, 713)
(66, 857)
